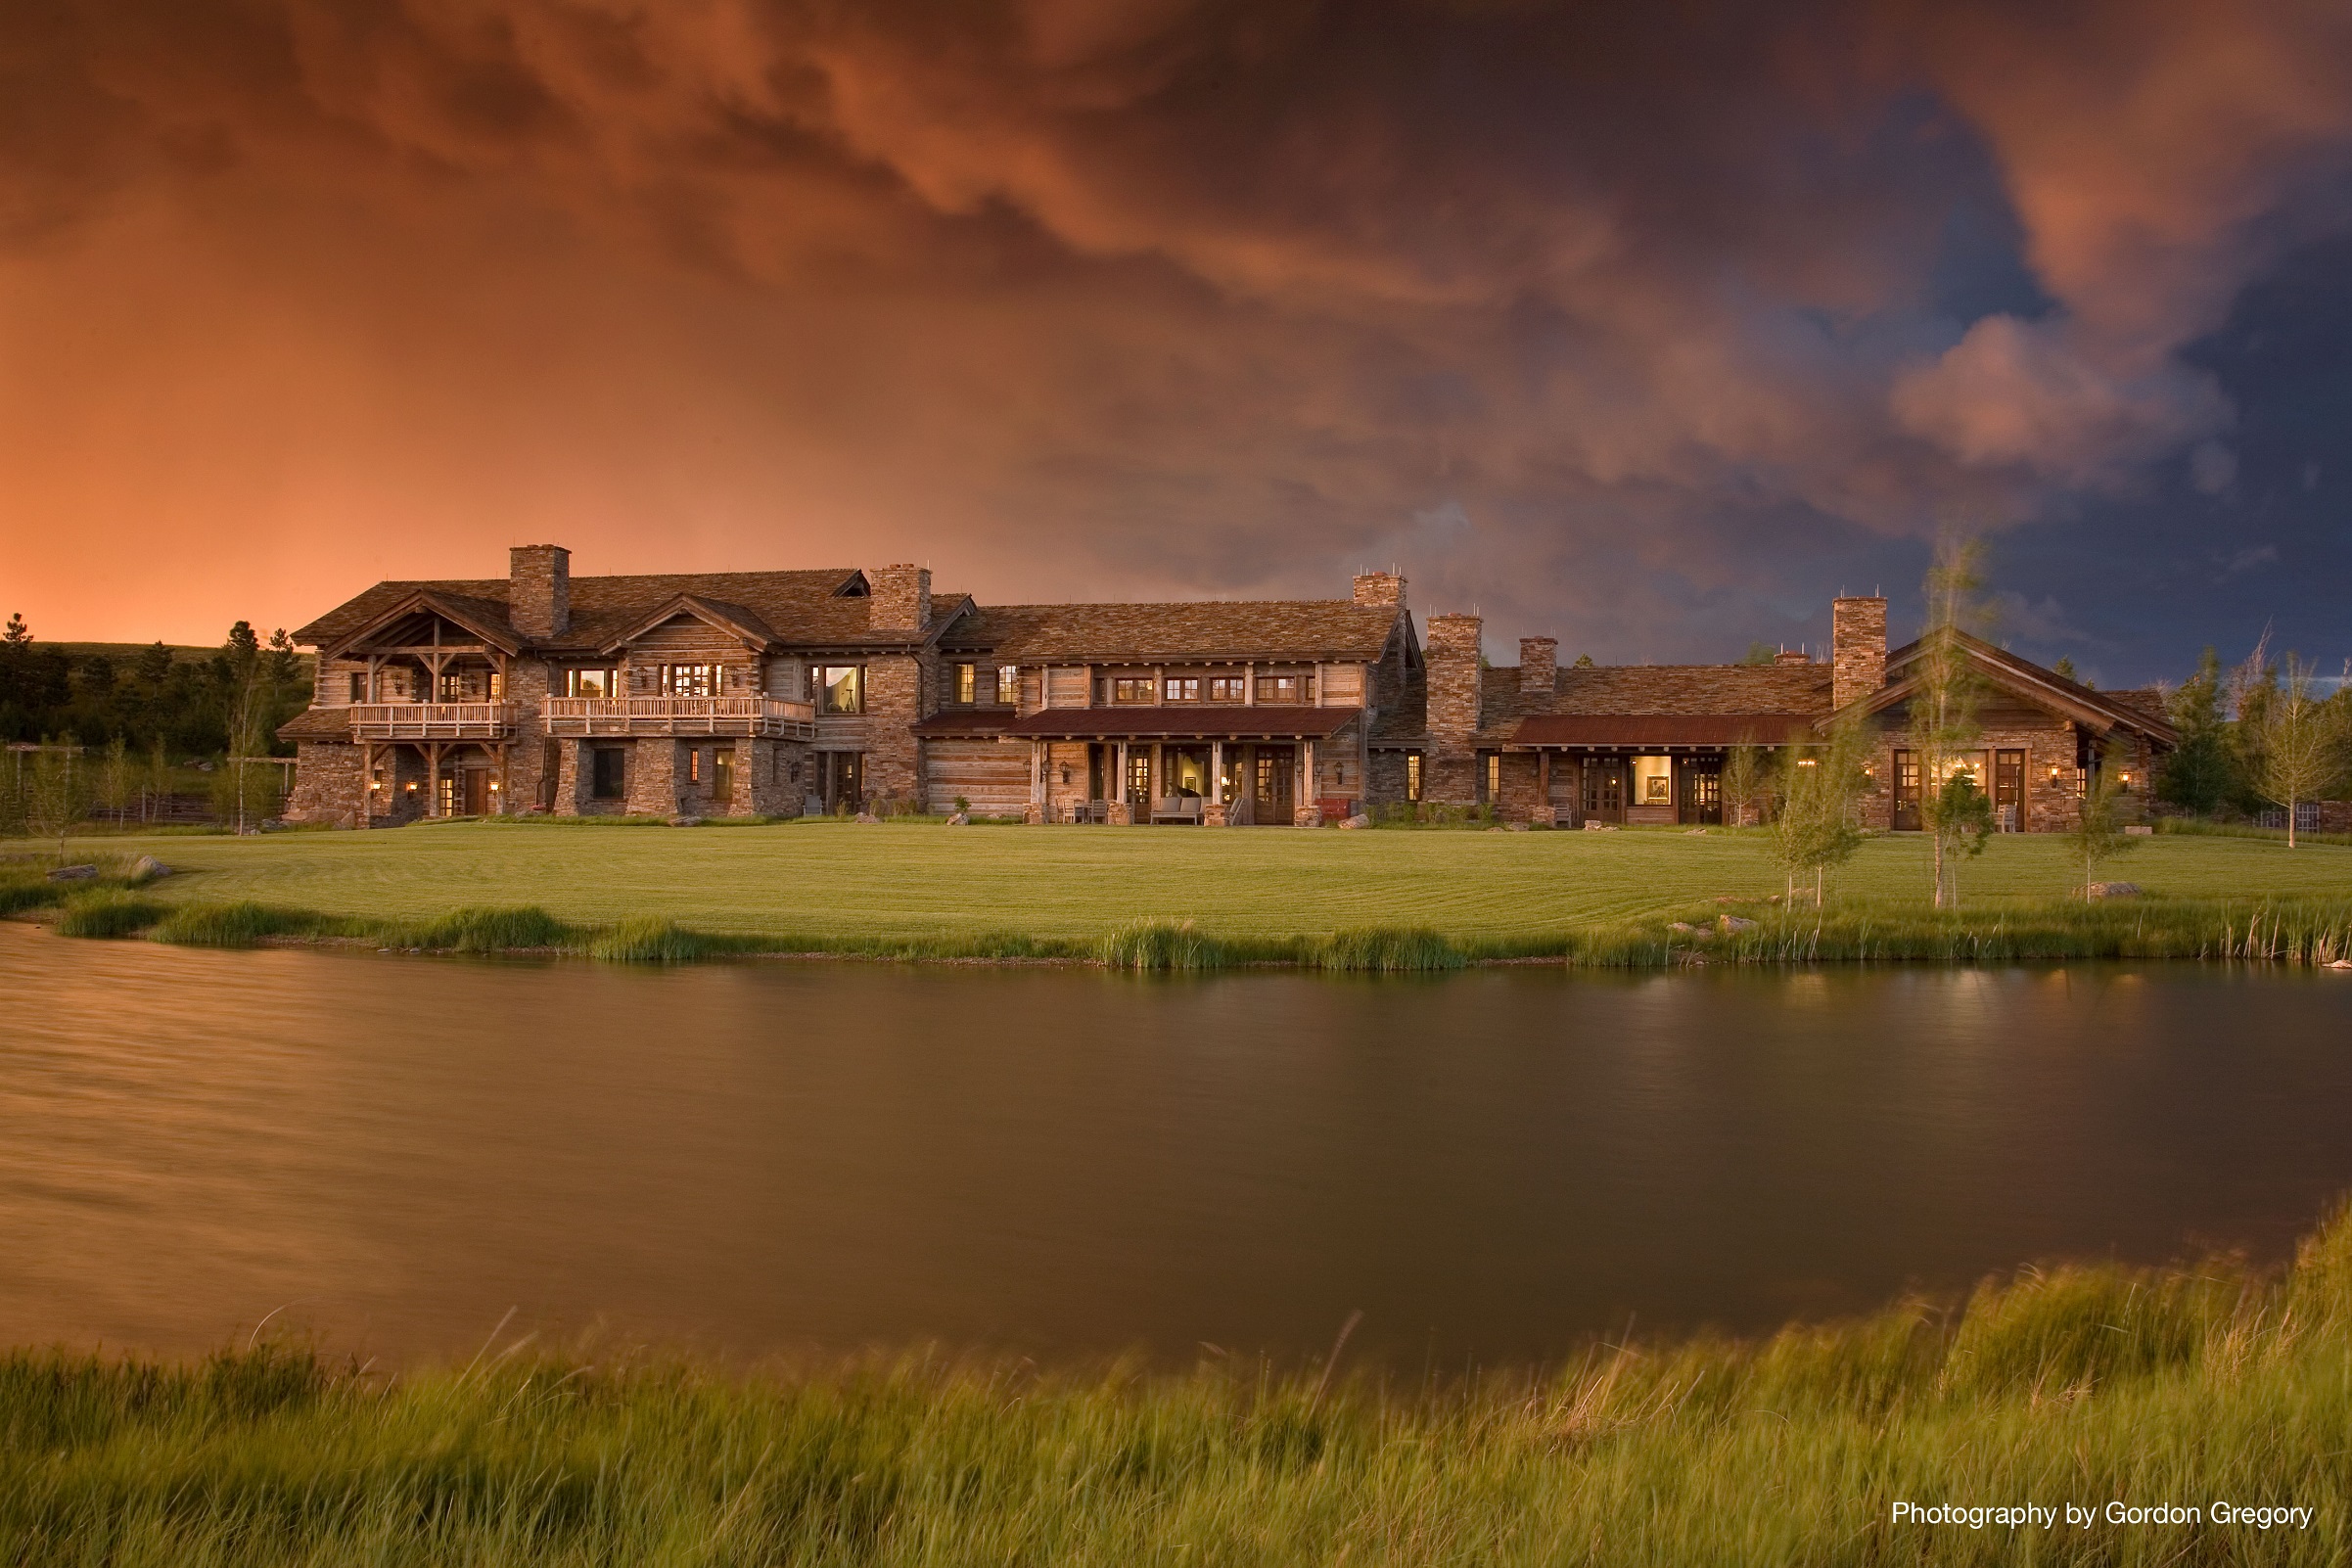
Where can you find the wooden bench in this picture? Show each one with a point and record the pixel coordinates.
(1176, 808)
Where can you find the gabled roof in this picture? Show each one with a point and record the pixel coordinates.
(1633, 705)
(1662, 729)
(2023, 679)
(798, 609)
(484, 617)
(732, 619)
(1262, 629)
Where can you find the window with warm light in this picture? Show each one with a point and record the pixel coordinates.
(1413, 776)
(967, 684)
(1133, 689)
(1183, 689)
(841, 688)
(1008, 684)
(591, 682)
(689, 681)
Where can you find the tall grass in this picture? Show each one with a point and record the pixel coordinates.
(2077, 1384)
(109, 912)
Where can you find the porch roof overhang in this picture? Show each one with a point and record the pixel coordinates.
(2017, 677)
(1184, 721)
(1630, 730)
(472, 616)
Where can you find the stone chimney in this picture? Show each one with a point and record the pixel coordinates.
(901, 599)
(1792, 656)
(1539, 669)
(1856, 648)
(1380, 588)
(1453, 677)
(538, 594)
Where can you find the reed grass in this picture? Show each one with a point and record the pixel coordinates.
(109, 912)
(2080, 1384)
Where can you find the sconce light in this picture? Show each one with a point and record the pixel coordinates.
(2053, 773)
(493, 786)
(1808, 761)
(412, 784)
(2125, 778)
(1064, 774)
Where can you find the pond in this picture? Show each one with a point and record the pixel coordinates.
(397, 1153)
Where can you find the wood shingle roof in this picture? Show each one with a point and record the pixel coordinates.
(1262, 629)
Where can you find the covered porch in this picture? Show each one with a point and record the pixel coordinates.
(1211, 767)
(1648, 769)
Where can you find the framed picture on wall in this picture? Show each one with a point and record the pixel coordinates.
(1656, 784)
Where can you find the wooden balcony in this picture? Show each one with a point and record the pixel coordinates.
(679, 715)
(433, 720)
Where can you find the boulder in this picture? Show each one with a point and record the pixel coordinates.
(869, 818)
(1695, 831)
(146, 868)
(681, 821)
(2114, 889)
(959, 819)
(72, 873)
(1358, 820)
(1522, 827)
(1601, 827)
(1734, 923)
(2138, 830)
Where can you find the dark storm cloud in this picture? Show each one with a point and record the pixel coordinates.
(1650, 328)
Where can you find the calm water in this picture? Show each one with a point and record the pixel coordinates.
(396, 1152)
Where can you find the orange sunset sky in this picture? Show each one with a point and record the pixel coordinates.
(1650, 328)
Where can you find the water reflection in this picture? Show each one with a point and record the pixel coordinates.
(400, 1150)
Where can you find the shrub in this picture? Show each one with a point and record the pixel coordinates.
(108, 913)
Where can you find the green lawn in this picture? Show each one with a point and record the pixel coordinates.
(919, 879)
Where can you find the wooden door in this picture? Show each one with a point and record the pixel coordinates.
(475, 791)
(1701, 782)
(1606, 789)
(1907, 792)
(1277, 784)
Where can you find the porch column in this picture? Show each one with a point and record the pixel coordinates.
(433, 778)
(1305, 803)
(367, 772)
(1217, 772)
(1037, 782)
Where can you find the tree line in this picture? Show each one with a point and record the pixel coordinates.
(91, 734)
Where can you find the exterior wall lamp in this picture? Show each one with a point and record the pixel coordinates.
(1065, 772)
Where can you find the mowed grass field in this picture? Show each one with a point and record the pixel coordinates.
(922, 879)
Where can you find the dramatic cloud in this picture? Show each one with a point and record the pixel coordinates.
(1650, 328)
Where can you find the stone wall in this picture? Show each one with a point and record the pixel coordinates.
(1454, 680)
(894, 690)
(2051, 806)
(653, 777)
(326, 783)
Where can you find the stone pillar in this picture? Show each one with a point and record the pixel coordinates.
(1856, 648)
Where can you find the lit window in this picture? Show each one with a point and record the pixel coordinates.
(1286, 688)
(1008, 684)
(689, 681)
(591, 682)
(1494, 775)
(1413, 776)
(1226, 689)
(967, 684)
(1133, 689)
(358, 688)
(841, 688)
(1183, 688)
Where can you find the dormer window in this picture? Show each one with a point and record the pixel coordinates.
(1008, 684)
(856, 588)
(967, 684)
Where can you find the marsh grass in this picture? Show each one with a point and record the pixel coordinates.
(2077, 1384)
(109, 912)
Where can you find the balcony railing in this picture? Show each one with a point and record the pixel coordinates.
(679, 715)
(433, 720)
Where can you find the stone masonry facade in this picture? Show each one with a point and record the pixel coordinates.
(770, 694)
